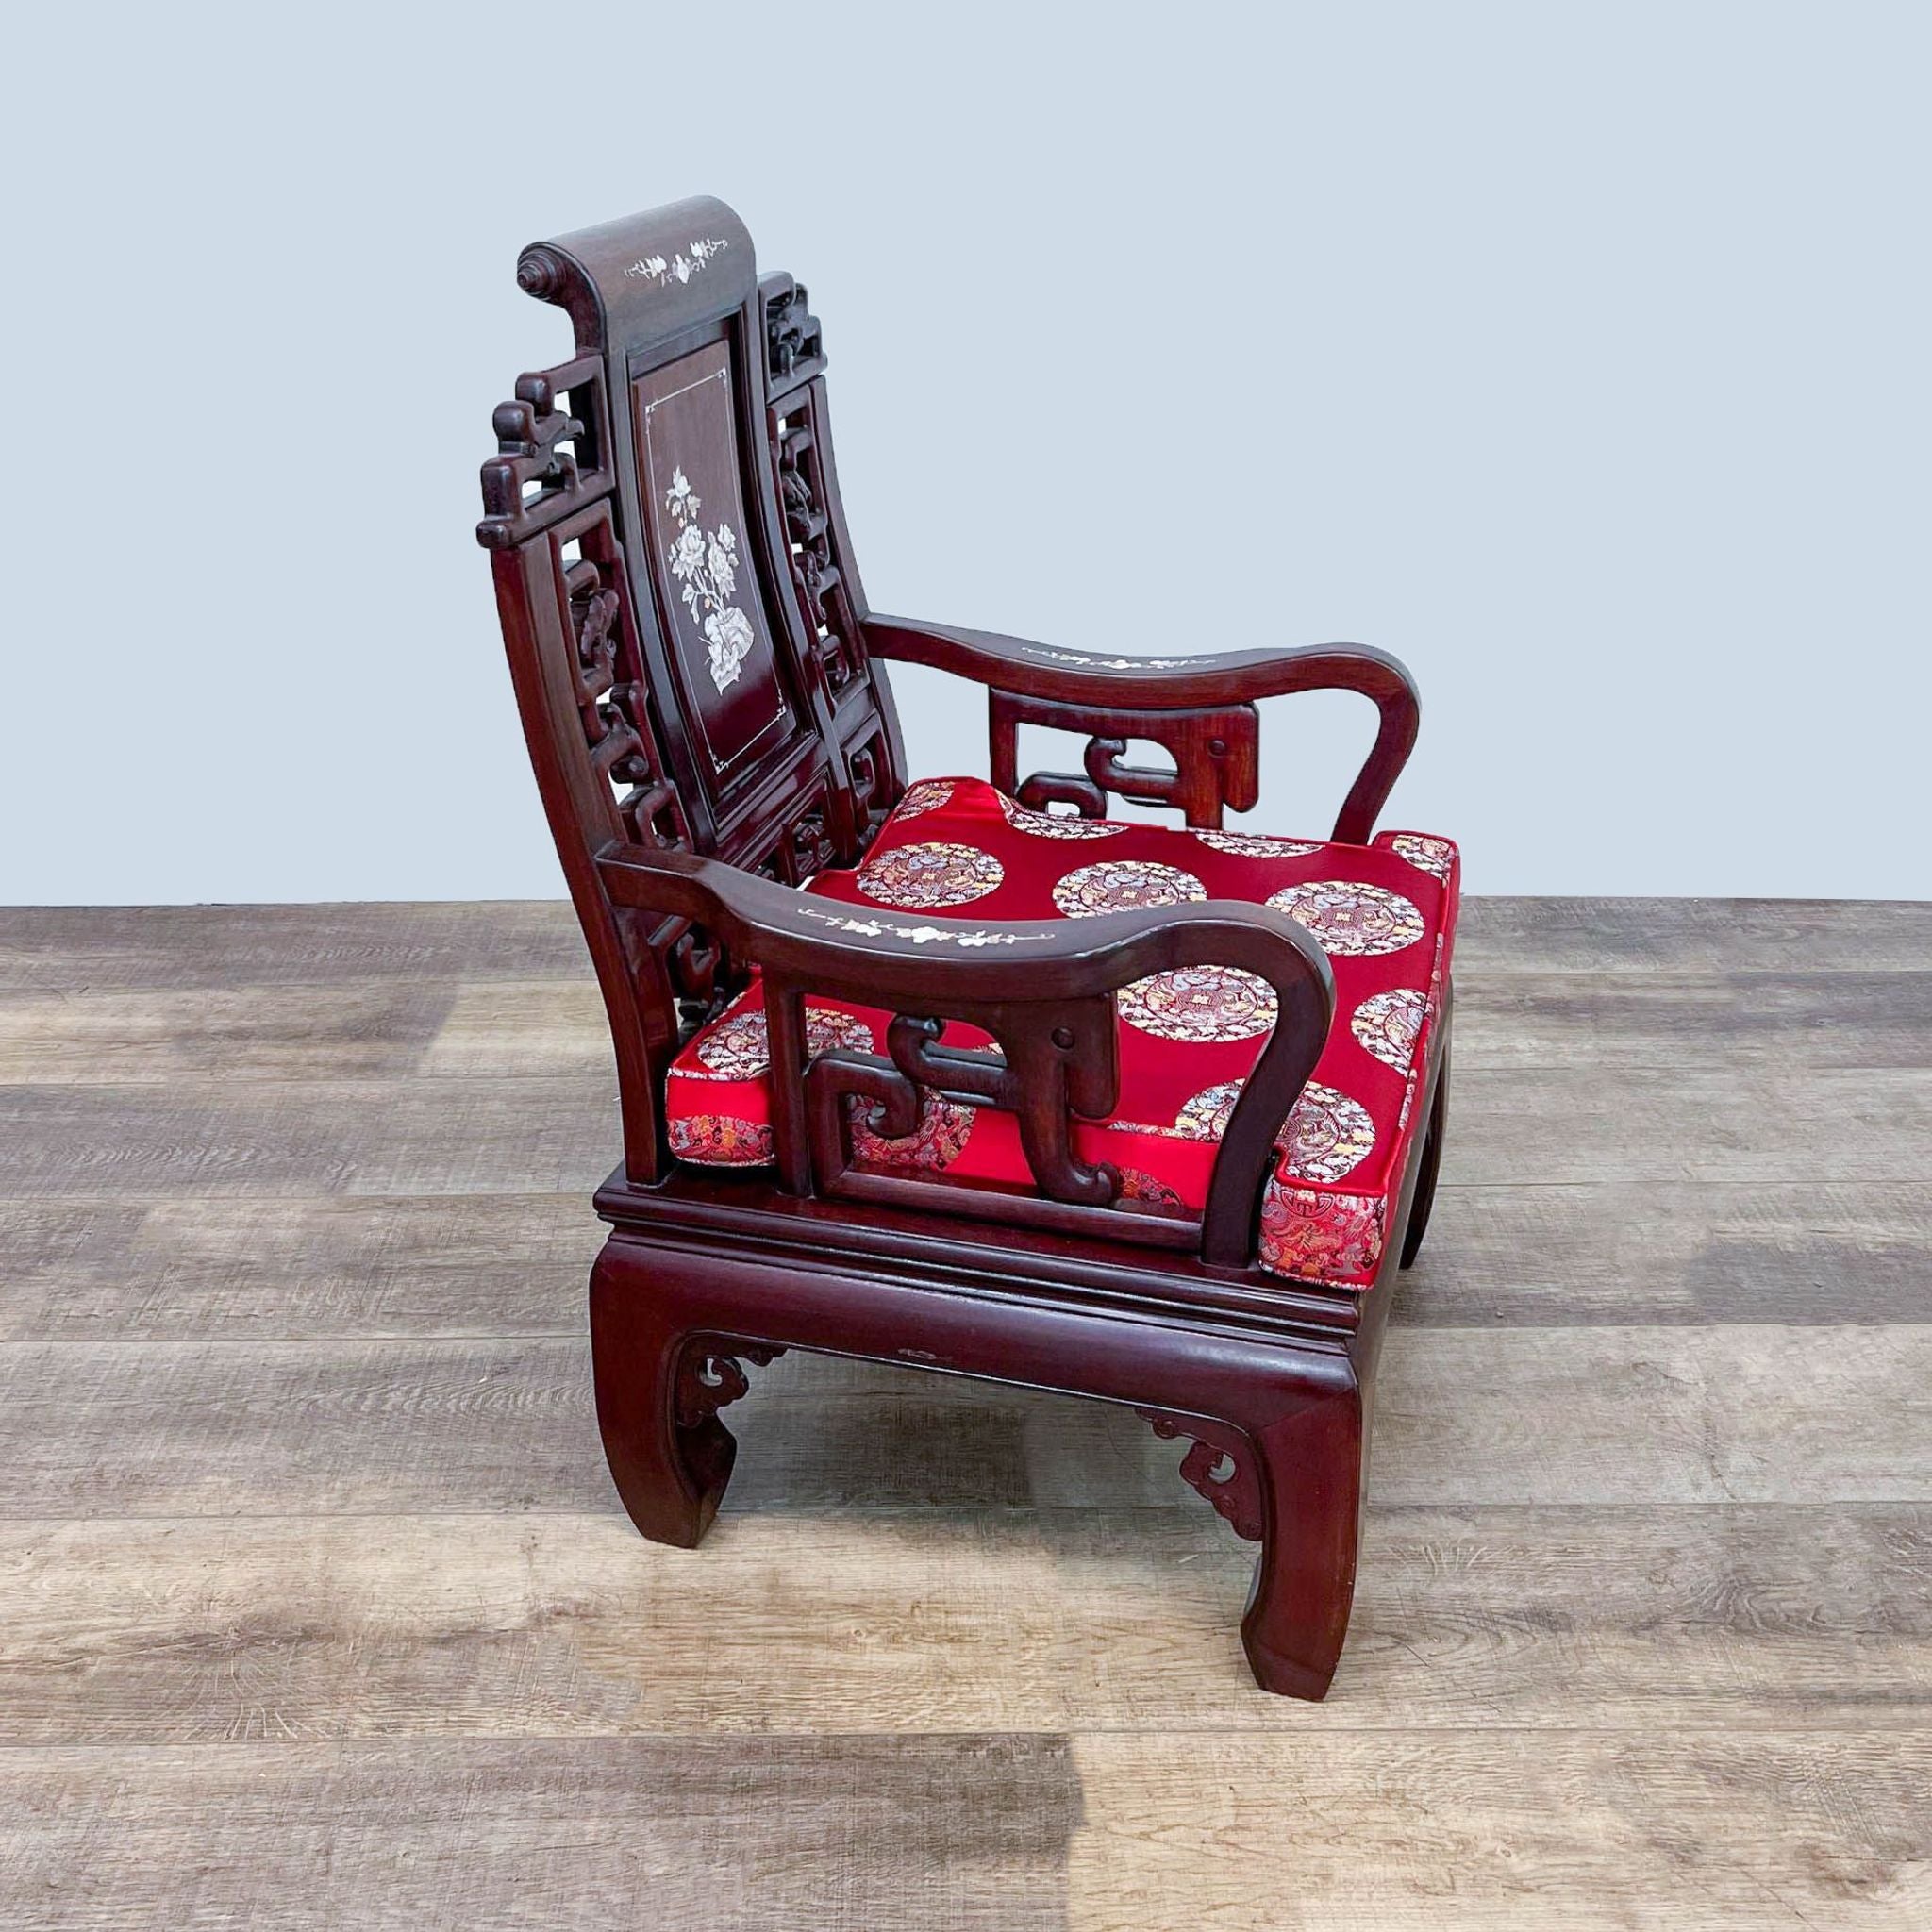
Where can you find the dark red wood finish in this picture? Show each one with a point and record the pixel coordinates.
(701, 684)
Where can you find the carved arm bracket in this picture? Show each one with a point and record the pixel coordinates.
(1055, 1059)
(1216, 757)
(1044, 989)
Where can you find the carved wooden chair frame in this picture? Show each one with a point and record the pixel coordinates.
(684, 834)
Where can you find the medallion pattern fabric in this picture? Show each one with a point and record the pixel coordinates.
(720, 1139)
(1200, 1004)
(1351, 917)
(1189, 1037)
(1327, 1135)
(923, 876)
(944, 1127)
(1432, 856)
(1124, 885)
(927, 795)
(1207, 1115)
(1137, 1186)
(1044, 824)
(1255, 844)
(1388, 1023)
(737, 1045)
(1320, 1236)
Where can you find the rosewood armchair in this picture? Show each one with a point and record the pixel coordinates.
(957, 1076)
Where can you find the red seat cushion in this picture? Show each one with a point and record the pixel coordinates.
(1385, 913)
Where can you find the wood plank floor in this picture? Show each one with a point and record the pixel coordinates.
(316, 1609)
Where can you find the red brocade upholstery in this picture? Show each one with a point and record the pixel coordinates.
(1385, 913)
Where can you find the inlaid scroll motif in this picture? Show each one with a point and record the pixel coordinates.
(688, 262)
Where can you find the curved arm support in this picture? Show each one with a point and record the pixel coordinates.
(1204, 681)
(1022, 982)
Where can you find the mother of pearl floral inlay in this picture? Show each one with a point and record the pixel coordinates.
(868, 926)
(706, 567)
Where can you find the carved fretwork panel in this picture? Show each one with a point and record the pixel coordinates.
(870, 782)
(1216, 757)
(617, 716)
(809, 845)
(1061, 1061)
(794, 346)
(553, 442)
(1219, 1463)
(700, 974)
(575, 654)
(817, 571)
(613, 698)
(797, 846)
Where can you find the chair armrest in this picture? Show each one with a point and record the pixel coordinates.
(1154, 685)
(1042, 988)
(1207, 677)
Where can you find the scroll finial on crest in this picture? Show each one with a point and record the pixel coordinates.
(630, 283)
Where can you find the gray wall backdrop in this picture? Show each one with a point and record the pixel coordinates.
(1580, 356)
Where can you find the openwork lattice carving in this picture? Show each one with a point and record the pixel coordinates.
(795, 350)
(612, 699)
(832, 626)
(811, 845)
(1221, 1465)
(616, 748)
(866, 765)
(708, 1377)
(550, 461)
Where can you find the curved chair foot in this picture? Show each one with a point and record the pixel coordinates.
(1311, 1468)
(1284, 1675)
(1424, 1196)
(659, 1389)
(1294, 1484)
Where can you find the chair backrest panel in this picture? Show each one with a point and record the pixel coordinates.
(684, 622)
(722, 654)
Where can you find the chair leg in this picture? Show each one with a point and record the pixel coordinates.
(1311, 1481)
(658, 1391)
(1277, 1433)
(1424, 1196)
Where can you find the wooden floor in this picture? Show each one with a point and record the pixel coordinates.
(316, 1608)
